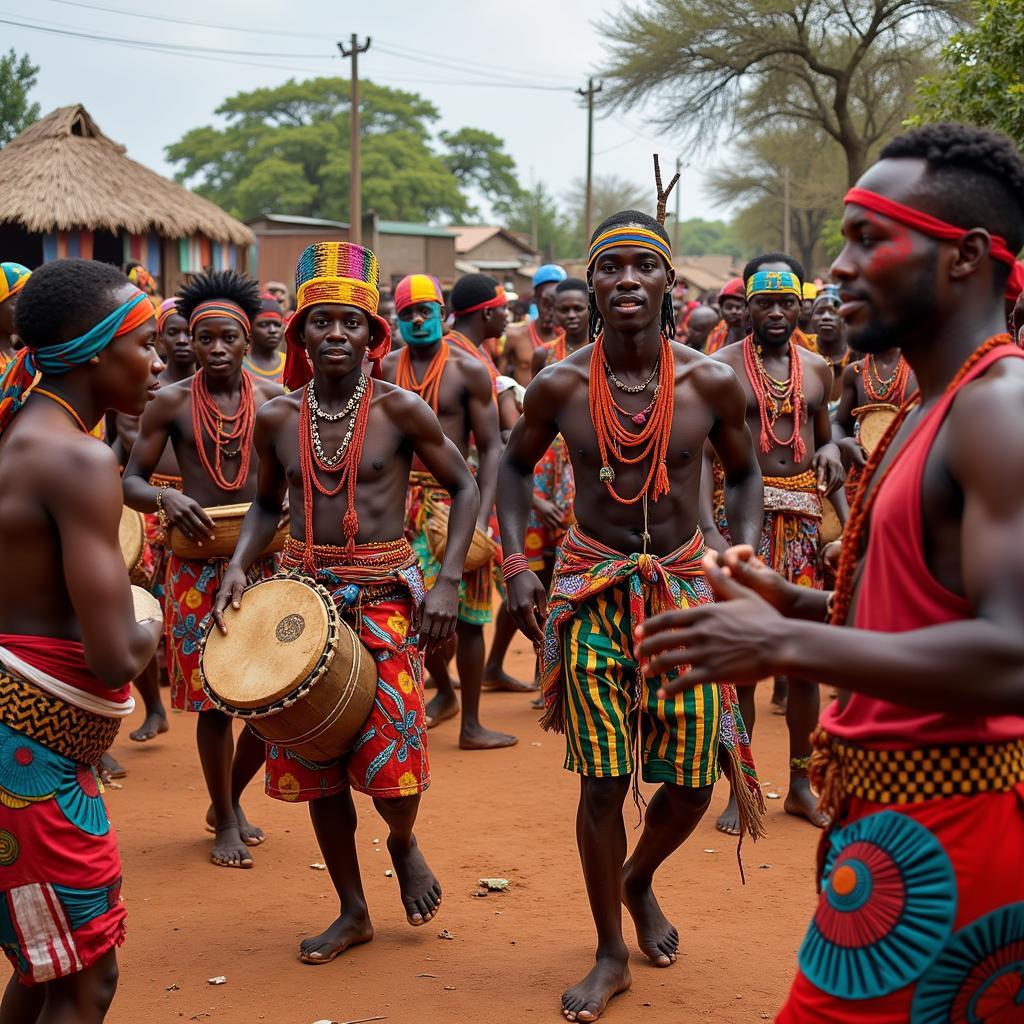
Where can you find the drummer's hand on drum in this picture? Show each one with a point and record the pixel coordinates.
(828, 468)
(437, 617)
(230, 593)
(187, 515)
(528, 605)
(851, 453)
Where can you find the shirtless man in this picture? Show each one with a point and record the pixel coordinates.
(12, 279)
(732, 303)
(787, 390)
(523, 340)
(829, 330)
(217, 468)
(70, 643)
(265, 358)
(699, 325)
(932, 660)
(456, 379)
(634, 548)
(335, 329)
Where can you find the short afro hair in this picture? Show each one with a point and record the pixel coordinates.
(975, 178)
(64, 299)
(209, 284)
(633, 219)
(571, 284)
(470, 291)
(773, 257)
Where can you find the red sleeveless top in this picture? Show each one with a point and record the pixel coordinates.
(898, 593)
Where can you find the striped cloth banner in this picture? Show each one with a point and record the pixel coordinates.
(63, 245)
(144, 249)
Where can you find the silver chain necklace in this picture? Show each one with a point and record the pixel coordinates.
(628, 388)
(314, 407)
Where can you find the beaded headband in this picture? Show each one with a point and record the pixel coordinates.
(219, 307)
(417, 288)
(783, 282)
(640, 237)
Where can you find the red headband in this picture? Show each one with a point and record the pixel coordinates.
(500, 299)
(924, 222)
(219, 308)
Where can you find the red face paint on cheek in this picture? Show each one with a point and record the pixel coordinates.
(891, 252)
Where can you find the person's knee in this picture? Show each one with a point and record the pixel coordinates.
(90, 992)
(602, 798)
(693, 798)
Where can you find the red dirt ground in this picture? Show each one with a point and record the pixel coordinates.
(506, 813)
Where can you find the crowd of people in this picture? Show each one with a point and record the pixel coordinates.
(807, 482)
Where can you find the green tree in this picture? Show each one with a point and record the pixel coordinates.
(698, 237)
(286, 149)
(982, 77)
(845, 67)
(17, 78)
(757, 179)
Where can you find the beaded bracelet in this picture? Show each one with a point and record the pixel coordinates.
(513, 565)
(161, 515)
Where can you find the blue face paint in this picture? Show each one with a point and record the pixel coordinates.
(428, 332)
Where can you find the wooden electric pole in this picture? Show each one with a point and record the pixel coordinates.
(588, 204)
(355, 197)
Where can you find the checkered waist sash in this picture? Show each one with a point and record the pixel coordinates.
(840, 770)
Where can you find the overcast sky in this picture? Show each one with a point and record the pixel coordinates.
(452, 51)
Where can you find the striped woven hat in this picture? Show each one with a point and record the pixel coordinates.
(417, 288)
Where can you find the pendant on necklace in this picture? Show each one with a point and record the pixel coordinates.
(639, 418)
(607, 475)
(787, 407)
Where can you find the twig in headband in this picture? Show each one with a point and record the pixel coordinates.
(663, 194)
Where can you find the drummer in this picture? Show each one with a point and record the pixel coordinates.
(341, 446)
(208, 419)
(66, 624)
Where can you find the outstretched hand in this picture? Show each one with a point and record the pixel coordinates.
(229, 593)
(733, 641)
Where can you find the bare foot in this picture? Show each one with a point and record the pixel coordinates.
(252, 835)
(348, 930)
(228, 849)
(780, 696)
(802, 803)
(421, 891)
(440, 708)
(587, 1000)
(538, 703)
(476, 737)
(499, 679)
(729, 820)
(110, 769)
(153, 726)
(655, 934)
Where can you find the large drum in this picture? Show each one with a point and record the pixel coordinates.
(481, 548)
(227, 520)
(146, 606)
(874, 422)
(292, 668)
(131, 534)
(831, 527)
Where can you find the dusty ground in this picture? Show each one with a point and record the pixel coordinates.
(503, 814)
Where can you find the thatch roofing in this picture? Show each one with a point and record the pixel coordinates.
(62, 173)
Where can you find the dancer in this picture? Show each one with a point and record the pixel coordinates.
(920, 762)
(341, 445)
(69, 641)
(523, 340)
(208, 420)
(622, 406)
(732, 303)
(455, 377)
(787, 390)
(265, 358)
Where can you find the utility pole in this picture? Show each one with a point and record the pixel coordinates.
(785, 210)
(588, 212)
(355, 196)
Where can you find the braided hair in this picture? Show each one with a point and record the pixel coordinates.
(209, 284)
(633, 219)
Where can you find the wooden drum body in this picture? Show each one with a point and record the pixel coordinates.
(481, 548)
(227, 521)
(131, 534)
(292, 668)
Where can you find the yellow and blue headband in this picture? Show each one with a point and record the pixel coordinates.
(627, 235)
(778, 282)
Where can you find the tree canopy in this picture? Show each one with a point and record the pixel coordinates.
(844, 67)
(286, 149)
(982, 76)
(17, 78)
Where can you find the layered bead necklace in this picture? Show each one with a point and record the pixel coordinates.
(428, 388)
(888, 387)
(208, 422)
(344, 462)
(777, 398)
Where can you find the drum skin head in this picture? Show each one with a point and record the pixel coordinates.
(873, 426)
(831, 527)
(274, 641)
(146, 606)
(131, 533)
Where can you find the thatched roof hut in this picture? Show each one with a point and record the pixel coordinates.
(68, 190)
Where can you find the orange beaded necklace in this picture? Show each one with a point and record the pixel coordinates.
(863, 502)
(614, 438)
(209, 422)
(430, 386)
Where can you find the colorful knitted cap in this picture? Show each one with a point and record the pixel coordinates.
(417, 288)
(338, 273)
(12, 279)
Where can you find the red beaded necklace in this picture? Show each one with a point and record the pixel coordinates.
(209, 422)
(777, 398)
